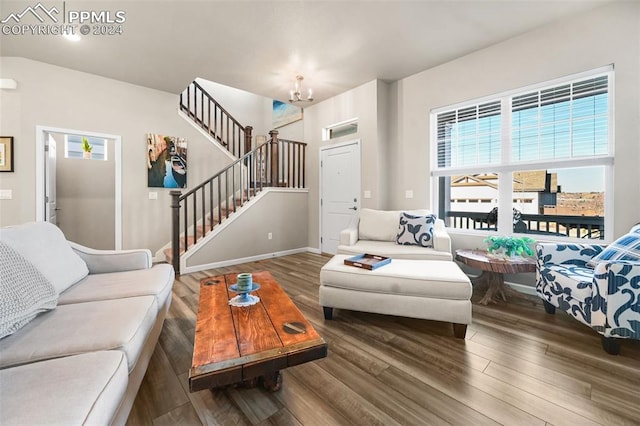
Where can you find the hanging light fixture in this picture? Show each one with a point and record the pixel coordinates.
(296, 93)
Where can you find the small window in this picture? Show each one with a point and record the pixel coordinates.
(76, 148)
(338, 130)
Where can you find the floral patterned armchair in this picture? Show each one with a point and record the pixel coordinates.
(598, 286)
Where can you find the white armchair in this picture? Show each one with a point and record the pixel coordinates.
(376, 232)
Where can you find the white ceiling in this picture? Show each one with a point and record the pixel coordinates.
(260, 46)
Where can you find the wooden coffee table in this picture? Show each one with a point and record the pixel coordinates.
(493, 270)
(250, 345)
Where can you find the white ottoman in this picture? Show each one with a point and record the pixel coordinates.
(427, 289)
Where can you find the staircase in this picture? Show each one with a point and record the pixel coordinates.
(197, 212)
(211, 117)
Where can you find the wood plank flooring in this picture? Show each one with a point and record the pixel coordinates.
(517, 366)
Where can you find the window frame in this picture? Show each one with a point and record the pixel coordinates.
(506, 167)
(95, 141)
(351, 125)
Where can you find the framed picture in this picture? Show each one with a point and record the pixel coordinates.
(6, 153)
(284, 114)
(166, 161)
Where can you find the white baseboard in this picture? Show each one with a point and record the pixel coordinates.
(197, 268)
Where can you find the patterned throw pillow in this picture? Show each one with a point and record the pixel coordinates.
(626, 247)
(416, 230)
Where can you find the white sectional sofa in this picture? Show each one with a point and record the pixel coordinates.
(80, 353)
(375, 232)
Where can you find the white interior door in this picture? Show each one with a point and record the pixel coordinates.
(51, 206)
(340, 192)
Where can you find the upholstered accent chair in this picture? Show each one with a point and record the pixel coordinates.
(599, 286)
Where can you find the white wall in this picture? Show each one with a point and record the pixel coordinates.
(607, 35)
(59, 97)
(361, 103)
(281, 212)
(251, 110)
(247, 108)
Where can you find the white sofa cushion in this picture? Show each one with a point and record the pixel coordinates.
(394, 251)
(83, 389)
(432, 279)
(378, 225)
(24, 291)
(121, 324)
(157, 282)
(51, 255)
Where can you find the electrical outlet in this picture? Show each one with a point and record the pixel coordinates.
(153, 195)
(408, 193)
(270, 236)
(6, 194)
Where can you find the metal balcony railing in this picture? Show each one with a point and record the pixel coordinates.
(590, 227)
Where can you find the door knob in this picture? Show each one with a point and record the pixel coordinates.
(353, 208)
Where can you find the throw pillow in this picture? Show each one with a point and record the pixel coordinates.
(416, 230)
(626, 247)
(44, 245)
(24, 291)
(377, 225)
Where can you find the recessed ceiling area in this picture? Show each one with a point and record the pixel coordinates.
(260, 46)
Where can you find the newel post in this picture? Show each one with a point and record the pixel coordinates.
(247, 138)
(274, 157)
(175, 230)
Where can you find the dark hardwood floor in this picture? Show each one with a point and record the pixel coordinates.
(517, 366)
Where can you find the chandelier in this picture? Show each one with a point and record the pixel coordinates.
(295, 95)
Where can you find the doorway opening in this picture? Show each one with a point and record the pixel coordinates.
(82, 196)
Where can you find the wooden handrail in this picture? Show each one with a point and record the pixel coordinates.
(216, 121)
(276, 163)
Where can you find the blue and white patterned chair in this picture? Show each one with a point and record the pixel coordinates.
(598, 286)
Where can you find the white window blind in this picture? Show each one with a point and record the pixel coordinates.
(469, 136)
(562, 122)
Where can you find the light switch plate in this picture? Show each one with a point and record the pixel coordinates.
(153, 195)
(6, 194)
(367, 194)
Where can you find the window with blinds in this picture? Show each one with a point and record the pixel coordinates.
(469, 135)
(543, 152)
(561, 122)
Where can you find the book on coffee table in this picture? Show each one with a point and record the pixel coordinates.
(367, 261)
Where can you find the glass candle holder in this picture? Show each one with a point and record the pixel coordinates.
(245, 282)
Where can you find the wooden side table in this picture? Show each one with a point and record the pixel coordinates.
(493, 270)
